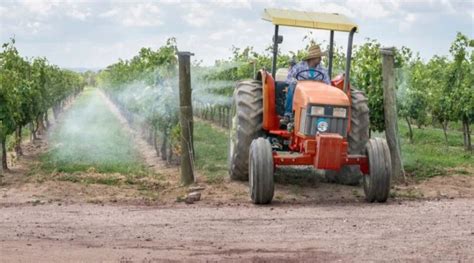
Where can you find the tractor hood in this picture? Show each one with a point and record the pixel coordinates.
(315, 92)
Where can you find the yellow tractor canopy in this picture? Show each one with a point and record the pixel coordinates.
(316, 20)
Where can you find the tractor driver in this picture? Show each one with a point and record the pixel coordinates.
(310, 68)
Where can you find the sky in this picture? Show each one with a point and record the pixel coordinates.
(94, 34)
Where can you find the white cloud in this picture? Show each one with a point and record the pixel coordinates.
(78, 14)
(407, 22)
(3, 10)
(109, 13)
(40, 7)
(34, 27)
(220, 35)
(135, 15)
(143, 15)
(369, 9)
(197, 15)
(448, 6)
(167, 2)
(335, 8)
(410, 18)
(234, 4)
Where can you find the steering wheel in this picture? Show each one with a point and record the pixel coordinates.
(318, 75)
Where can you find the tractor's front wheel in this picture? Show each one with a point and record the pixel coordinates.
(261, 171)
(377, 182)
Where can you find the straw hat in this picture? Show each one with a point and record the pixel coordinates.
(314, 51)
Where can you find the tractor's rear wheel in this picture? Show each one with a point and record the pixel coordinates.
(377, 182)
(261, 171)
(246, 125)
(357, 138)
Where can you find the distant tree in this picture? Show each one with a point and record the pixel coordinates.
(413, 90)
(439, 93)
(462, 88)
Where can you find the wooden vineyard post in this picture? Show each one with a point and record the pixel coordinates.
(1, 158)
(186, 118)
(390, 111)
(2, 147)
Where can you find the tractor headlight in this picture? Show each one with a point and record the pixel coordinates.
(339, 112)
(317, 110)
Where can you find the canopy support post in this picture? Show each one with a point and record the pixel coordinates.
(348, 59)
(331, 44)
(275, 51)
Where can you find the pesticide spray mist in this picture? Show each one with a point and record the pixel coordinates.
(89, 135)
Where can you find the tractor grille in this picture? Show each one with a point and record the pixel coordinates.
(309, 124)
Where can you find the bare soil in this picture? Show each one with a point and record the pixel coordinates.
(408, 231)
(48, 220)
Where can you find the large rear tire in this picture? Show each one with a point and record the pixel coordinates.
(246, 125)
(261, 171)
(357, 138)
(377, 182)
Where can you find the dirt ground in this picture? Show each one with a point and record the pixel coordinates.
(352, 232)
(48, 220)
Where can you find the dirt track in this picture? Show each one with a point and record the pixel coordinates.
(418, 231)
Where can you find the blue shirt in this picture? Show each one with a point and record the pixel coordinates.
(303, 65)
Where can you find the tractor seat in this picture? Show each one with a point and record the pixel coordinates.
(280, 94)
(280, 97)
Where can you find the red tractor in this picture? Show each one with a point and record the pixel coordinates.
(331, 122)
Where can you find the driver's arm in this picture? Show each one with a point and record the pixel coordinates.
(291, 78)
(326, 78)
